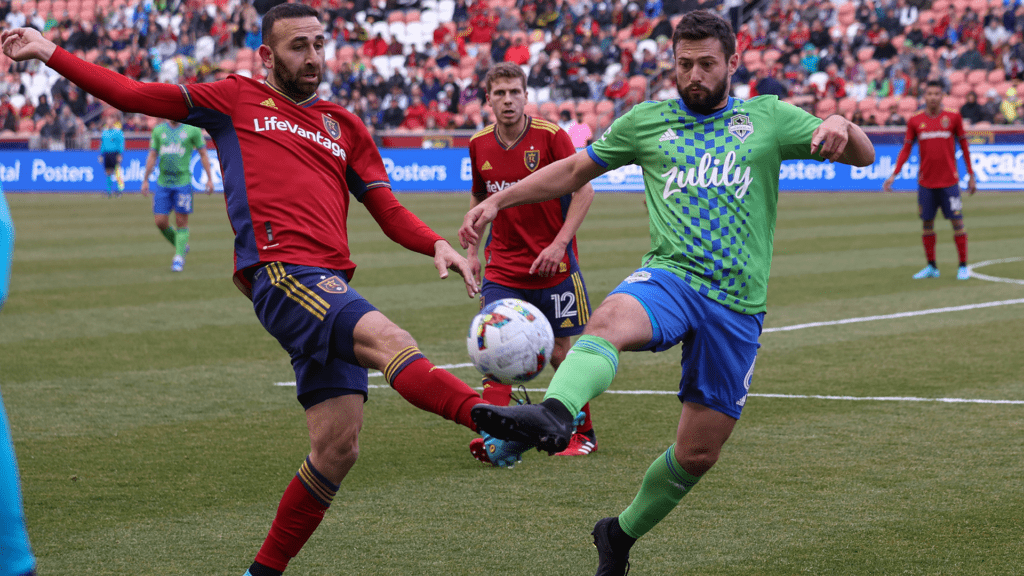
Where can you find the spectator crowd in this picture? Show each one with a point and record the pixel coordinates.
(417, 65)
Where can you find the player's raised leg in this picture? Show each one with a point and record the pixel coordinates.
(381, 344)
(620, 323)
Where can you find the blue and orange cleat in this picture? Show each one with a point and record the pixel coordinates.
(928, 271)
(500, 453)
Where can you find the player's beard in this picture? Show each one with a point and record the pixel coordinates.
(704, 103)
(293, 83)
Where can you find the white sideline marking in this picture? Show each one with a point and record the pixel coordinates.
(972, 267)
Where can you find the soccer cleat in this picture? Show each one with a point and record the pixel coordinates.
(579, 445)
(963, 273)
(928, 271)
(500, 453)
(178, 264)
(532, 424)
(610, 562)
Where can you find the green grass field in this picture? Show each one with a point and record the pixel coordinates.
(153, 441)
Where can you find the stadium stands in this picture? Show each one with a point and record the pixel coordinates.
(445, 39)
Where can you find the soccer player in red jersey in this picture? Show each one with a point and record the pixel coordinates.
(531, 250)
(937, 131)
(290, 162)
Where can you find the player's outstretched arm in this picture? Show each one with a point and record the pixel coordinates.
(125, 94)
(839, 140)
(552, 181)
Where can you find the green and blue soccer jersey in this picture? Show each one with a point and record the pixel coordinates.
(712, 187)
(174, 148)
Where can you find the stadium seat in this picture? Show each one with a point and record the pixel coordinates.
(866, 104)
(907, 106)
(865, 53)
(997, 75)
(586, 107)
(962, 89)
(430, 19)
(605, 107)
(412, 16)
(771, 56)
(396, 16)
(957, 77)
(567, 105)
(397, 30)
(531, 109)
(976, 76)
(825, 108)
(549, 111)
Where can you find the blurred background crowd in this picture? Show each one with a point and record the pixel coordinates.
(417, 65)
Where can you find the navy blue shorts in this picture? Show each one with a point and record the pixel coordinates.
(719, 345)
(110, 160)
(167, 198)
(565, 305)
(929, 200)
(313, 312)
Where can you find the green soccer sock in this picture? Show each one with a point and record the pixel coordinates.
(664, 485)
(169, 233)
(586, 372)
(180, 241)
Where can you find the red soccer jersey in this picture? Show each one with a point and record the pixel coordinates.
(297, 162)
(936, 138)
(519, 233)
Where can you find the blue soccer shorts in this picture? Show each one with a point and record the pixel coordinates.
(313, 313)
(167, 198)
(565, 305)
(719, 345)
(929, 200)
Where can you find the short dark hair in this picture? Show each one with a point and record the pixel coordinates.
(282, 11)
(702, 24)
(936, 84)
(509, 70)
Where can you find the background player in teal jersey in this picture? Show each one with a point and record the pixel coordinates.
(711, 180)
(16, 557)
(172, 143)
(111, 152)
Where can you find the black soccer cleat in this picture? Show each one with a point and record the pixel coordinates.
(610, 560)
(531, 424)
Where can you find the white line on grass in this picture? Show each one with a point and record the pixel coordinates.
(815, 325)
(797, 396)
(972, 267)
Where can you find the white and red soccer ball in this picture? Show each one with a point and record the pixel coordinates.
(510, 341)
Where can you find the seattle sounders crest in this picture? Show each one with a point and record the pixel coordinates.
(741, 127)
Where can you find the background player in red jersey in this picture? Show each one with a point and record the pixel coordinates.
(937, 131)
(290, 161)
(531, 251)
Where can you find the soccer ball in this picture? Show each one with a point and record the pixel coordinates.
(510, 341)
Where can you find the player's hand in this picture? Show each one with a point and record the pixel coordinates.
(548, 260)
(830, 138)
(972, 185)
(446, 258)
(144, 188)
(474, 266)
(887, 185)
(473, 224)
(22, 44)
(209, 186)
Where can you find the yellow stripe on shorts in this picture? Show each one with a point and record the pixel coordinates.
(298, 292)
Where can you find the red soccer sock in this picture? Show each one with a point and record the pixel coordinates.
(497, 393)
(302, 508)
(961, 247)
(430, 388)
(929, 246)
(587, 425)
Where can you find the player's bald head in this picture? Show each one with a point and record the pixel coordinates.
(281, 12)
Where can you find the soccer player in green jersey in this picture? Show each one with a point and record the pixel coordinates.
(711, 179)
(173, 143)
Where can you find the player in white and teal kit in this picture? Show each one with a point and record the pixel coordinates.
(711, 180)
(16, 558)
(172, 144)
(111, 153)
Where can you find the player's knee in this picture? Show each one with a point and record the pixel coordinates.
(392, 338)
(696, 460)
(337, 452)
